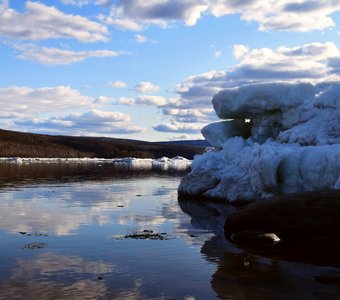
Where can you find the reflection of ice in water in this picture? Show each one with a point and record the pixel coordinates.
(164, 163)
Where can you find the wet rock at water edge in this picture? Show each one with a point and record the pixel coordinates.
(256, 238)
(303, 226)
(333, 278)
(308, 218)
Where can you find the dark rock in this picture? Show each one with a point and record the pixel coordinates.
(306, 223)
(256, 238)
(299, 217)
(328, 279)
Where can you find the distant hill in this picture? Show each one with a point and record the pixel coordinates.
(22, 144)
(202, 143)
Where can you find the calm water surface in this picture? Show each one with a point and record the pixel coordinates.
(68, 231)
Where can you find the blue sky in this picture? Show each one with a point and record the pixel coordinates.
(148, 69)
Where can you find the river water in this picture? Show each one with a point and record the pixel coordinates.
(91, 231)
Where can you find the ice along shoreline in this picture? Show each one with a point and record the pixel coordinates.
(177, 163)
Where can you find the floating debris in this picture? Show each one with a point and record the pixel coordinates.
(32, 234)
(144, 235)
(35, 245)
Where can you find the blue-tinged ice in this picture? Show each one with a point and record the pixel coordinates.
(275, 138)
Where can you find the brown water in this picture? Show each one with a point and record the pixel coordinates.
(70, 231)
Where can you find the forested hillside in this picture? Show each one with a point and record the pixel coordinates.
(37, 145)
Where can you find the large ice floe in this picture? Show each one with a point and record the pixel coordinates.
(276, 138)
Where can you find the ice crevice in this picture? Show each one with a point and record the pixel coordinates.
(275, 138)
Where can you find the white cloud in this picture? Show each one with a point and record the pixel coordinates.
(79, 3)
(117, 84)
(307, 62)
(311, 62)
(3, 6)
(55, 56)
(150, 100)
(144, 100)
(140, 38)
(178, 127)
(127, 101)
(26, 100)
(187, 115)
(146, 87)
(135, 14)
(195, 90)
(217, 54)
(101, 100)
(240, 50)
(35, 110)
(39, 22)
(94, 116)
(94, 121)
(103, 2)
(127, 24)
(184, 137)
(302, 15)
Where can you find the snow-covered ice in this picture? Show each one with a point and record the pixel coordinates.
(275, 138)
(177, 163)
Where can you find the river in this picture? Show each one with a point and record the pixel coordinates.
(95, 231)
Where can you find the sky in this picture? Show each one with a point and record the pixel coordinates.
(148, 70)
